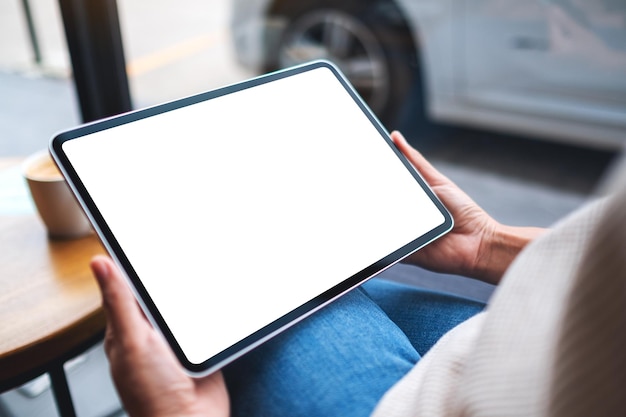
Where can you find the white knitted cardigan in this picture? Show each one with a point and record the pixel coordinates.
(553, 339)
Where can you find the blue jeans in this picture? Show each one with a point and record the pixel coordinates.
(342, 359)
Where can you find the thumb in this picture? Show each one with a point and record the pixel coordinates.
(120, 307)
(429, 172)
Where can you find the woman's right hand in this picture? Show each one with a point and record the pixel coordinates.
(477, 246)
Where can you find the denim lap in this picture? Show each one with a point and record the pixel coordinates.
(338, 362)
(423, 315)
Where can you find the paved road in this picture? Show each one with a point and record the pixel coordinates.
(170, 51)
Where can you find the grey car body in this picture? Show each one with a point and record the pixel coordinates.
(552, 69)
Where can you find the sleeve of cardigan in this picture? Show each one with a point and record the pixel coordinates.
(426, 389)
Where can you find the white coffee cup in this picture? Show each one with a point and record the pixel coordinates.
(56, 205)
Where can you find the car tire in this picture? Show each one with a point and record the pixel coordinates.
(368, 41)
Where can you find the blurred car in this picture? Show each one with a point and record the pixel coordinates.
(545, 68)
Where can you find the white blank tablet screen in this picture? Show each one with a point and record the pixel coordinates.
(236, 210)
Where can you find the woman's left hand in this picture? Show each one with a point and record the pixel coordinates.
(148, 377)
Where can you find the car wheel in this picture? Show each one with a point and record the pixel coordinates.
(374, 50)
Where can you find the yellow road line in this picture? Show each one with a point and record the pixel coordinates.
(173, 53)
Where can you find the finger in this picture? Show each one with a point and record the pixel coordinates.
(123, 314)
(420, 163)
(211, 385)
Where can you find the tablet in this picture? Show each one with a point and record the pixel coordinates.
(238, 212)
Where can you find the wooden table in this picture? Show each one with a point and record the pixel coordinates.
(50, 308)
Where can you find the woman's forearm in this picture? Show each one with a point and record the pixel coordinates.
(500, 248)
